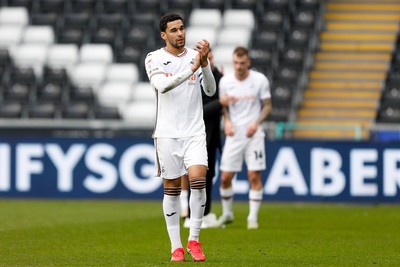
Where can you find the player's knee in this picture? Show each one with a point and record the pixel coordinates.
(172, 191)
(198, 183)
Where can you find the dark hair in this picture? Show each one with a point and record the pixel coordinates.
(241, 51)
(168, 18)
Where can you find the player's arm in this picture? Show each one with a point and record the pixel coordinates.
(266, 109)
(228, 126)
(207, 80)
(165, 83)
(160, 80)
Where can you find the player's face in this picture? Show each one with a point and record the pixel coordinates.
(241, 65)
(174, 35)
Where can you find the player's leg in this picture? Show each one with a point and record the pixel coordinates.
(231, 162)
(226, 194)
(255, 161)
(171, 208)
(184, 197)
(196, 162)
(255, 198)
(170, 167)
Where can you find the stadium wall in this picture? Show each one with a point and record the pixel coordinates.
(123, 168)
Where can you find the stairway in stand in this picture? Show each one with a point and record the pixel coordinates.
(350, 68)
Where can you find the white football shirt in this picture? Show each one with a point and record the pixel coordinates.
(250, 93)
(179, 111)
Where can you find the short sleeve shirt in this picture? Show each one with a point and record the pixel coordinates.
(250, 93)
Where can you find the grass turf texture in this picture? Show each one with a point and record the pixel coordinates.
(133, 233)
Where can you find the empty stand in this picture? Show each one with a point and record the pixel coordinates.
(350, 67)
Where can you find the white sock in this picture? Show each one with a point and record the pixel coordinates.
(184, 199)
(255, 199)
(171, 208)
(197, 206)
(226, 200)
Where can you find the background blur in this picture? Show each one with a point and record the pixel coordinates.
(77, 110)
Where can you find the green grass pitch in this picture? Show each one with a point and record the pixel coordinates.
(133, 233)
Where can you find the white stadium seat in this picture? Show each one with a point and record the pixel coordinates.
(223, 57)
(89, 74)
(141, 114)
(96, 53)
(63, 56)
(114, 93)
(241, 18)
(38, 34)
(206, 17)
(234, 36)
(196, 33)
(10, 35)
(14, 16)
(31, 55)
(127, 72)
(143, 91)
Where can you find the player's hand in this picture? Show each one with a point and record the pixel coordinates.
(228, 128)
(251, 130)
(196, 63)
(203, 47)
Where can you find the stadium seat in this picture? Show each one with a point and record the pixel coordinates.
(31, 55)
(252, 5)
(263, 60)
(42, 110)
(278, 5)
(143, 92)
(181, 7)
(267, 39)
(116, 6)
(97, 53)
(46, 19)
(206, 18)
(130, 53)
(273, 20)
(114, 93)
(221, 5)
(106, 113)
(17, 16)
(281, 94)
(82, 93)
(388, 113)
(82, 6)
(223, 57)
(140, 114)
(150, 5)
(197, 33)
(50, 91)
(38, 35)
(279, 113)
(11, 109)
(76, 110)
(138, 35)
(233, 36)
(231, 19)
(63, 56)
(123, 72)
(88, 74)
(10, 36)
(50, 6)
(21, 3)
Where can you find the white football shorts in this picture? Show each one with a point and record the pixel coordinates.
(236, 149)
(175, 155)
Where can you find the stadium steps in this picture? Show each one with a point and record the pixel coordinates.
(350, 69)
